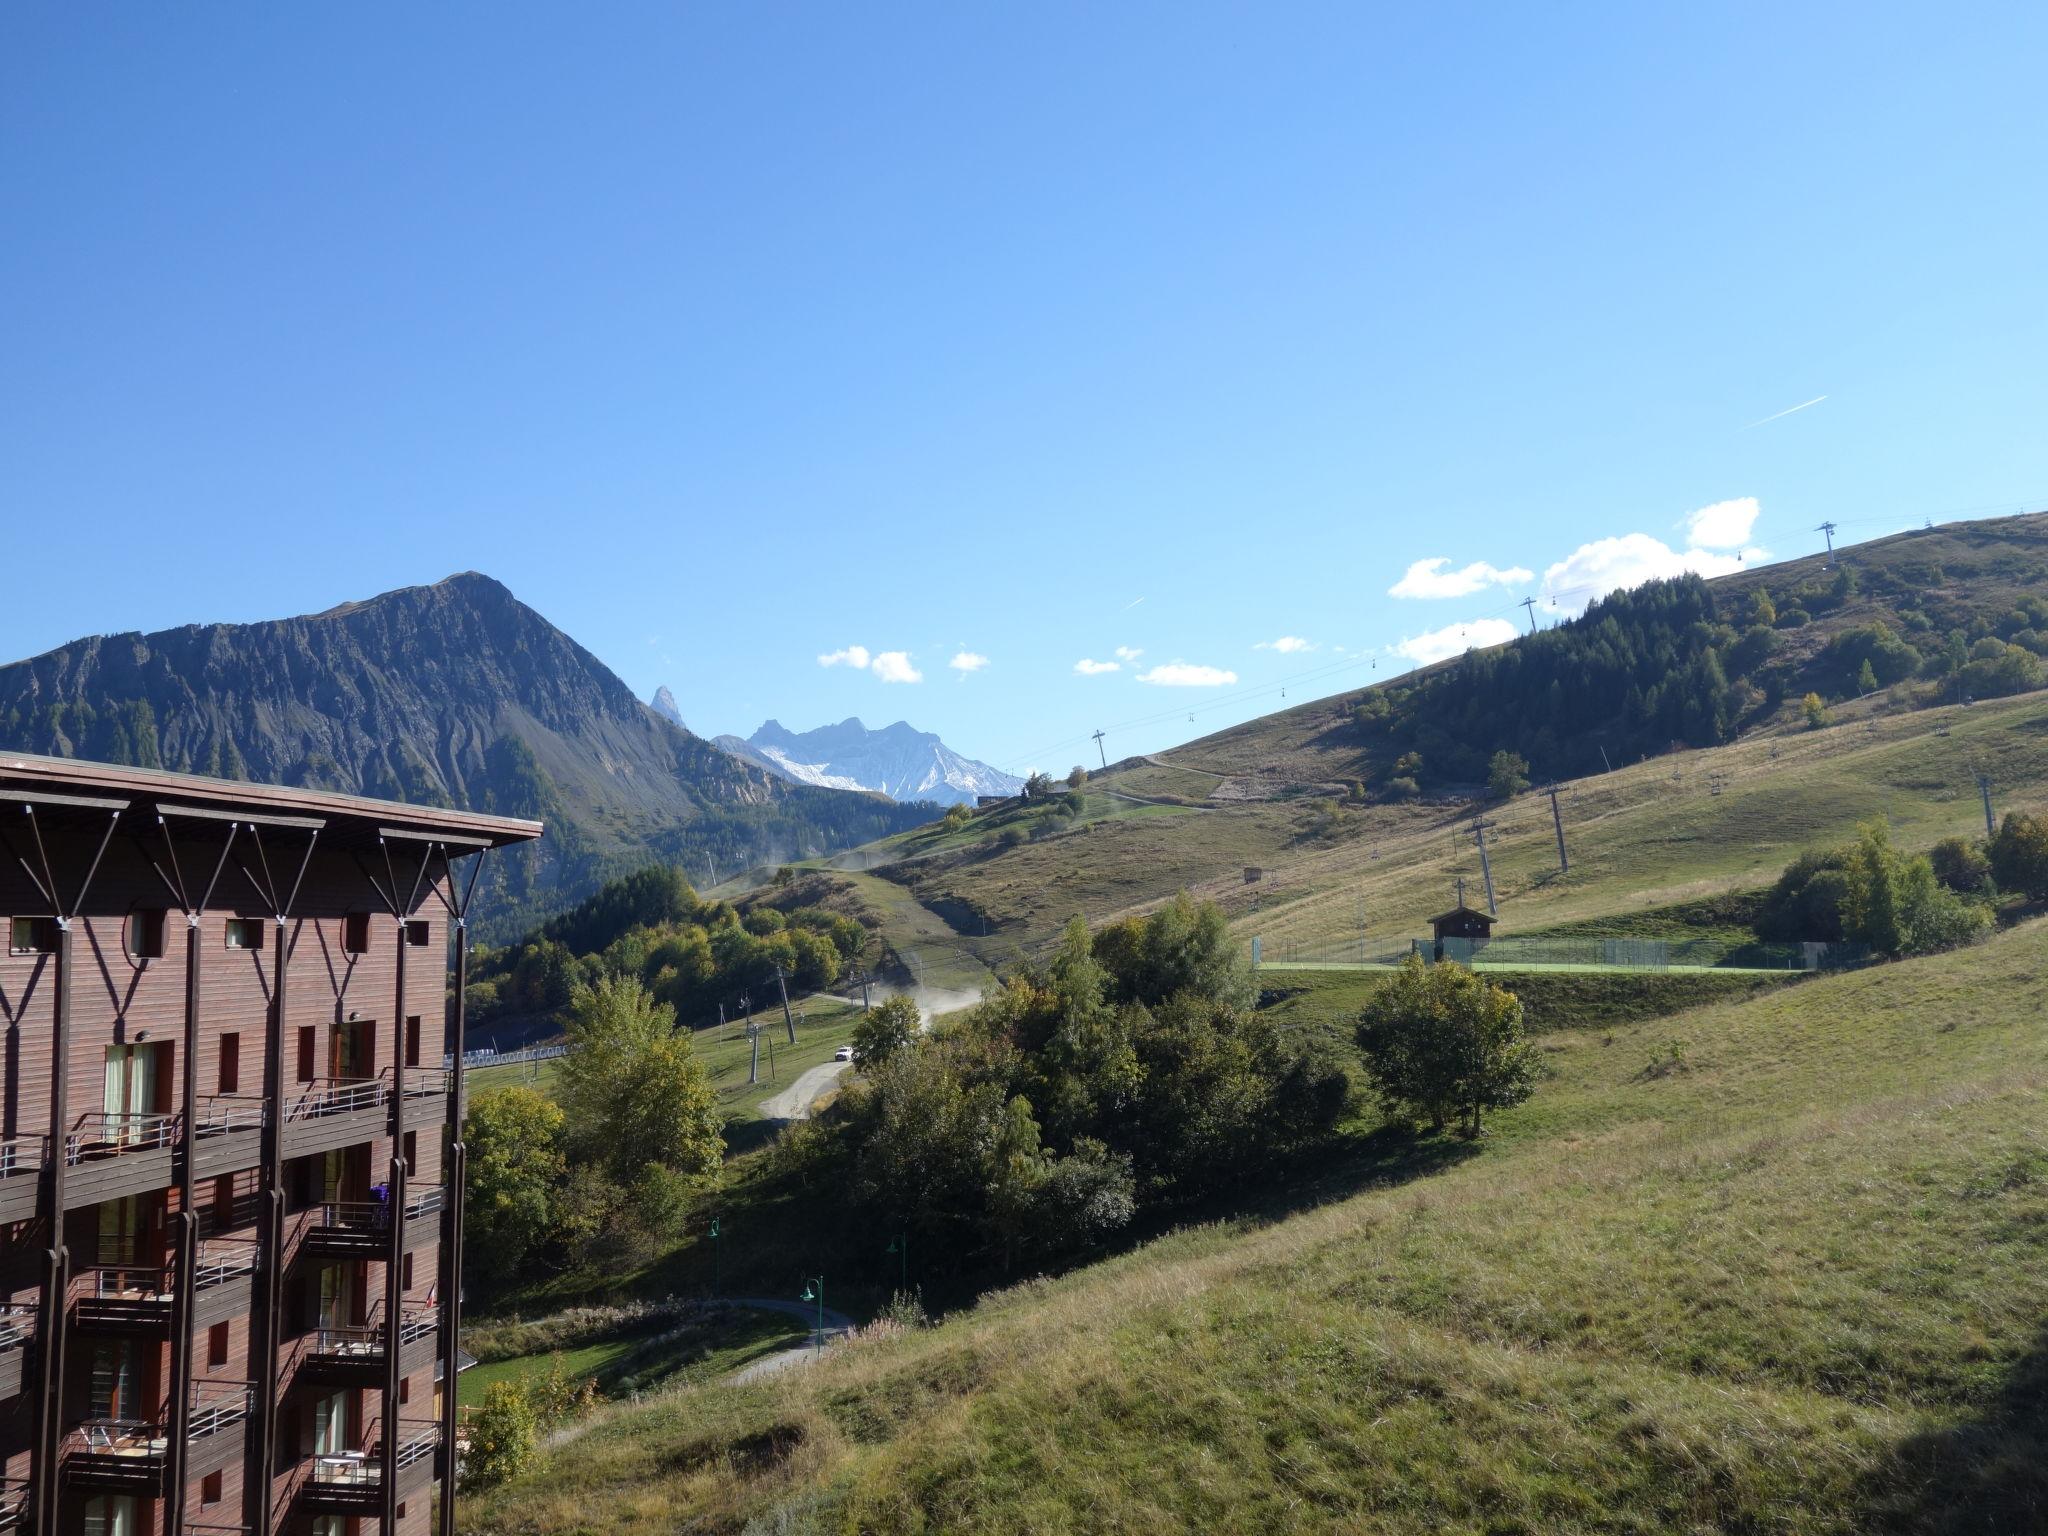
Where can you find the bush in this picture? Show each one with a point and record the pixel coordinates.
(1793, 618)
(1507, 775)
(503, 1434)
(884, 1030)
(1403, 788)
(2018, 855)
(1960, 864)
(1815, 711)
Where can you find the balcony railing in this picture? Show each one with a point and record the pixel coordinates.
(427, 1082)
(221, 1113)
(96, 1135)
(364, 1342)
(17, 1324)
(222, 1259)
(143, 1443)
(363, 1467)
(13, 1503)
(339, 1096)
(22, 1155)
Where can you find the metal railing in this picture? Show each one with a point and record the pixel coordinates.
(375, 1215)
(220, 1113)
(97, 1134)
(363, 1341)
(219, 1405)
(128, 1282)
(427, 1082)
(340, 1096)
(222, 1259)
(23, 1154)
(17, 1324)
(13, 1502)
(363, 1465)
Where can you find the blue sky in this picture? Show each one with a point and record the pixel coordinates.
(733, 338)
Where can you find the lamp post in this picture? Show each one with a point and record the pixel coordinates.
(814, 1290)
(717, 1280)
(900, 1246)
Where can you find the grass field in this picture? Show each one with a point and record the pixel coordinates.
(635, 1359)
(1778, 1263)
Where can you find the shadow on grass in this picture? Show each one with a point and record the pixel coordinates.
(1988, 1474)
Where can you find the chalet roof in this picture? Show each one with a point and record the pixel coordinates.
(1456, 912)
(100, 787)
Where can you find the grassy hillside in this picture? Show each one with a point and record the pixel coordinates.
(1789, 1277)
(1276, 793)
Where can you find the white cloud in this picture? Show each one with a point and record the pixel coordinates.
(1428, 578)
(1455, 639)
(1186, 674)
(1593, 570)
(852, 656)
(1086, 668)
(1128, 653)
(968, 661)
(1724, 525)
(895, 667)
(1286, 645)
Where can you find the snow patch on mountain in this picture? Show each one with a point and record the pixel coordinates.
(899, 761)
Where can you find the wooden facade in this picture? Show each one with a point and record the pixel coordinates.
(230, 1081)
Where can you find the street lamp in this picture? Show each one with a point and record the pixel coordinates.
(814, 1290)
(900, 1246)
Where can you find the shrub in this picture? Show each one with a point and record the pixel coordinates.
(1961, 864)
(1507, 775)
(2018, 855)
(884, 1030)
(1815, 711)
(503, 1434)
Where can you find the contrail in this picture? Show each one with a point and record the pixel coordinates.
(1816, 400)
(1127, 607)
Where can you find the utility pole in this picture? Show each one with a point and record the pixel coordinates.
(1485, 866)
(754, 1053)
(782, 987)
(1984, 789)
(1461, 890)
(1564, 865)
(1099, 748)
(714, 865)
(1603, 758)
(1829, 530)
(1530, 604)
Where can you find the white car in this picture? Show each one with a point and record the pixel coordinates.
(844, 1053)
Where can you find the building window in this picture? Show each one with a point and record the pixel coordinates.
(412, 1040)
(33, 936)
(355, 933)
(217, 1347)
(145, 933)
(306, 1042)
(224, 1202)
(405, 1283)
(416, 932)
(404, 1384)
(209, 1490)
(230, 1063)
(412, 1157)
(245, 933)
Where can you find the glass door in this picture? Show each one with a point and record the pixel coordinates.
(129, 1098)
(111, 1514)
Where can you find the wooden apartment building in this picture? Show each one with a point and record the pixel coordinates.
(230, 1086)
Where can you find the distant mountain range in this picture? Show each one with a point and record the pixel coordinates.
(450, 694)
(899, 760)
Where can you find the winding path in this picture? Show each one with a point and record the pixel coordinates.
(837, 1324)
(795, 1101)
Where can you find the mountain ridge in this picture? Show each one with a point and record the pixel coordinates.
(451, 693)
(897, 760)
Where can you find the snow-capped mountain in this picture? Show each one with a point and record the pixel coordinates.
(901, 761)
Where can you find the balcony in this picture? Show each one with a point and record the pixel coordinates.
(131, 1455)
(17, 1332)
(21, 1159)
(361, 1229)
(13, 1504)
(109, 1156)
(351, 1482)
(332, 1112)
(223, 1281)
(355, 1355)
(118, 1298)
(227, 1136)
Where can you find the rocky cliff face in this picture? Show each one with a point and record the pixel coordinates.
(898, 760)
(455, 693)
